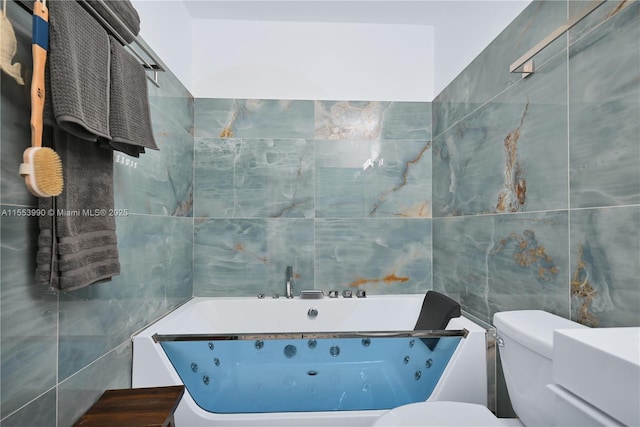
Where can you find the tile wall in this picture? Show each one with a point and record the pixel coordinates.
(341, 191)
(527, 198)
(60, 350)
(536, 181)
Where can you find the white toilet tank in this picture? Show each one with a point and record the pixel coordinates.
(526, 347)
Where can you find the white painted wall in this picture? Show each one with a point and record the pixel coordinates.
(312, 60)
(268, 59)
(461, 36)
(166, 26)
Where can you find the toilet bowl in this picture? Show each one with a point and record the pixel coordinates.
(525, 342)
(443, 414)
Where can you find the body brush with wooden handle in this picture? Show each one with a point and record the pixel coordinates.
(42, 167)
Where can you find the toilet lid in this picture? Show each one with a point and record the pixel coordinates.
(438, 414)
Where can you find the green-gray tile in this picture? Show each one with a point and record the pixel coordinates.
(605, 266)
(173, 100)
(510, 155)
(604, 114)
(15, 132)
(253, 118)
(158, 182)
(254, 178)
(488, 74)
(359, 179)
(28, 316)
(503, 262)
(156, 259)
(40, 412)
(78, 393)
(380, 256)
(407, 120)
(244, 257)
(607, 10)
(372, 120)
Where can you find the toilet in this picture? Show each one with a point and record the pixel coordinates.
(525, 342)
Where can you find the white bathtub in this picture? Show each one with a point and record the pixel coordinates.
(464, 379)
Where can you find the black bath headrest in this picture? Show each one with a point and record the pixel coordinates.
(437, 309)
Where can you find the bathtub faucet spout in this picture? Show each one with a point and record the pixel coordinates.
(289, 282)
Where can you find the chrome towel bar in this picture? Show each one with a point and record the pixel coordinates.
(137, 47)
(525, 65)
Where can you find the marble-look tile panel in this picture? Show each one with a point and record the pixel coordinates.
(604, 113)
(244, 257)
(28, 369)
(510, 155)
(253, 118)
(380, 256)
(605, 11)
(15, 132)
(155, 259)
(173, 100)
(38, 413)
(290, 242)
(372, 120)
(254, 178)
(15, 137)
(28, 317)
(358, 179)
(488, 74)
(78, 393)
(407, 120)
(605, 266)
(503, 262)
(158, 182)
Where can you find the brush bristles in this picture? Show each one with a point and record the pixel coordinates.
(47, 171)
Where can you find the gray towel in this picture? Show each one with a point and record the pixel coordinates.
(129, 115)
(78, 70)
(77, 246)
(123, 10)
(98, 92)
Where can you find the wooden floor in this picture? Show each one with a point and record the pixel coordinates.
(136, 407)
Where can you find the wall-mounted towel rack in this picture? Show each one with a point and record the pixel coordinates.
(524, 64)
(137, 47)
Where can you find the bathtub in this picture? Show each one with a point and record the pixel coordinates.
(463, 378)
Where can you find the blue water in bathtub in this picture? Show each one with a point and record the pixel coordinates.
(300, 375)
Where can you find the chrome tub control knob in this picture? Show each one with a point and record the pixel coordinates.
(312, 313)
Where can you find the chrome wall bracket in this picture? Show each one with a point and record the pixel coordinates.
(524, 64)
